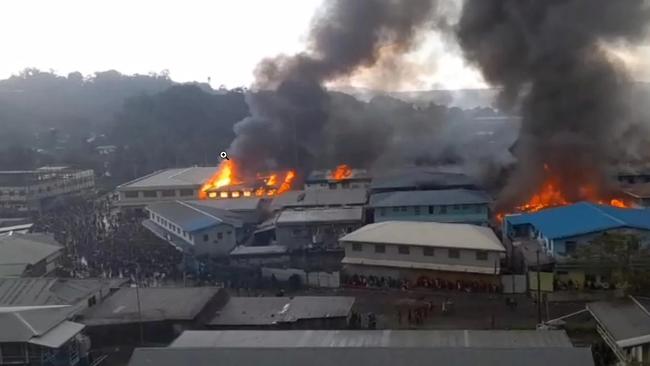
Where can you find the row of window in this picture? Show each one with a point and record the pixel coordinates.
(417, 210)
(426, 251)
(162, 193)
(170, 226)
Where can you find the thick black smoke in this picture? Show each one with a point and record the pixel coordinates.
(291, 108)
(549, 57)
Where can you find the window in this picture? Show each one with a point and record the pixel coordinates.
(187, 192)
(332, 185)
(229, 232)
(453, 253)
(168, 193)
(570, 247)
(296, 232)
(478, 208)
(150, 194)
(395, 209)
(427, 252)
(21, 193)
(12, 352)
(382, 212)
(456, 207)
(219, 236)
(481, 255)
(131, 194)
(403, 249)
(356, 247)
(430, 210)
(349, 229)
(380, 248)
(443, 209)
(205, 237)
(345, 184)
(416, 210)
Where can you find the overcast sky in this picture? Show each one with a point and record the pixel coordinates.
(193, 39)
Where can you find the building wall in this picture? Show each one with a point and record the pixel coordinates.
(416, 255)
(473, 214)
(345, 184)
(561, 248)
(299, 236)
(131, 198)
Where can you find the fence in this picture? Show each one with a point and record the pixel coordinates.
(513, 284)
(311, 279)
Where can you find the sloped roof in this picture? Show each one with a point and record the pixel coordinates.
(325, 175)
(24, 324)
(426, 198)
(582, 218)
(192, 216)
(321, 197)
(184, 177)
(156, 304)
(231, 204)
(273, 310)
(362, 356)
(26, 248)
(373, 338)
(320, 215)
(627, 320)
(50, 291)
(431, 234)
(419, 178)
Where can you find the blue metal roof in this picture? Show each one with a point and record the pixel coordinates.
(582, 218)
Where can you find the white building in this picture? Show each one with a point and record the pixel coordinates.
(32, 190)
(408, 250)
(163, 185)
(195, 228)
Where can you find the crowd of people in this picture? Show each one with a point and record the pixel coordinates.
(100, 243)
(423, 282)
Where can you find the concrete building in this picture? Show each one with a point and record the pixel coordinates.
(447, 205)
(28, 255)
(251, 210)
(323, 180)
(195, 227)
(316, 227)
(160, 313)
(320, 198)
(373, 339)
(35, 190)
(625, 326)
(298, 312)
(355, 356)
(561, 230)
(163, 185)
(408, 250)
(41, 336)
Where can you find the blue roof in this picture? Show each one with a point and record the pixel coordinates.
(582, 218)
(193, 216)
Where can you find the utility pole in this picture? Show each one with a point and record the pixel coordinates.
(539, 293)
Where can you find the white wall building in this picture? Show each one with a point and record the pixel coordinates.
(193, 227)
(405, 249)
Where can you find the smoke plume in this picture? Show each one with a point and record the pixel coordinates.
(548, 59)
(290, 108)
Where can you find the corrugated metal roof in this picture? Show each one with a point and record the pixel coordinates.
(324, 175)
(193, 216)
(321, 197)
(582, 218)
(624, 319)
(362, 356)
(426, 198)
(22, 325)
(156, 303)
(232, 204)
(50, 291)
(320, 215)
(374, 338)
(431, 234)
(272, 310)
(58, 335)
(258, 250)
(26, 248)
(184, 177)
(420, 178)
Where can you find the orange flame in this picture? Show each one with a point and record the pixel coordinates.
(342, 171)
(223, 177)
(288, 182)
(272, 180)
(551, 195)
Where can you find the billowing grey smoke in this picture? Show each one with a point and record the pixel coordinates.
(548, 58)
(290, 111)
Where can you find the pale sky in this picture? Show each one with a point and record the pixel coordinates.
(193, 39)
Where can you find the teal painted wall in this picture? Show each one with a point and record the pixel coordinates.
(475, 214)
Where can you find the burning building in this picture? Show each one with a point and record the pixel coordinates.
(343, 177)
(227, 182)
